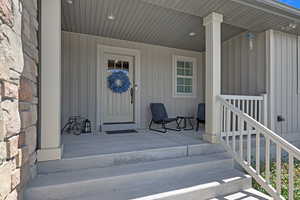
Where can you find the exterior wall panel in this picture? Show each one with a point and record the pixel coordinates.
(285, 80)
(79, 76)
(244, 70)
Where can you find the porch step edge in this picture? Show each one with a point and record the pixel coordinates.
(123, 158)
(245, 194)
(164, 186)
(208, 162)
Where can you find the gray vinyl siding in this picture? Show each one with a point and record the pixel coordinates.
(79, 62)
(244, 70)
(286, 97)
(243, 73)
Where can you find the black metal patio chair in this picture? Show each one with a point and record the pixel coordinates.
(200, 115)
(160, 116)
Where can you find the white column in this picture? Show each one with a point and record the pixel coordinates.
(270, 77)
(50, 144)
(212, 25)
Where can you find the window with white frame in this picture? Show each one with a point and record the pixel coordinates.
(184, 76)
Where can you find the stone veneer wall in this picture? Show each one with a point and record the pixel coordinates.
(19, 56)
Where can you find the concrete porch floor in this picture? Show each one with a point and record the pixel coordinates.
(101, 143)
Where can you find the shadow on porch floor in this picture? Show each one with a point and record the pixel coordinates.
(95, 144)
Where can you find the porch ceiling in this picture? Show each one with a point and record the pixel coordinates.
(169, 22)
(253, 15)
(138, 21)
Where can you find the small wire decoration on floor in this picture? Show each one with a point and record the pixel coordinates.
(77, 125)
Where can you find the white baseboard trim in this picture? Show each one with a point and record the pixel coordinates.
(49, 154)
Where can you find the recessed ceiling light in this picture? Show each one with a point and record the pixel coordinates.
(192, 34)
(69, 1)
(111, 17)
(293, 25)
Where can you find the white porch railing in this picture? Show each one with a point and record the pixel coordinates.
(233, 118)
(254, 106)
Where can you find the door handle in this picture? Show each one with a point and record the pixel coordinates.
(131, 95)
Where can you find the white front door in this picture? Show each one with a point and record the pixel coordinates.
(118, 107)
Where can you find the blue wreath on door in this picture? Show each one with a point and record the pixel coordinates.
(118, 82)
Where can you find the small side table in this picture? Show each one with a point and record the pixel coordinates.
(185, 121)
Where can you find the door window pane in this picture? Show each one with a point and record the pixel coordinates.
(111, 64)
(126, 66)
(118, 65)
(180, 64)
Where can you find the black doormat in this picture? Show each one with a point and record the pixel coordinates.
(122, 131)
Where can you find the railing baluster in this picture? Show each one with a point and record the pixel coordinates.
(248, 107)
(222, 120)
(291, 176)
(257, 152)
(255, 109)
(278, 169)
(240, 121)
(251, 108)
(267, 156)
(260, 111)
(242, 105)
(228, 126)
(233, 133)
(249, 144)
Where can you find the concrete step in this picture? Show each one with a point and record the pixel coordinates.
(113, 159)
(182, 178)
(248, 194)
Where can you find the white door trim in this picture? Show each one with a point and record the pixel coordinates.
(100, 81)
